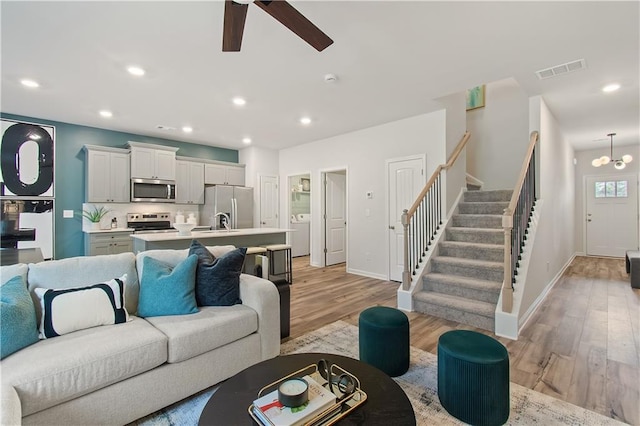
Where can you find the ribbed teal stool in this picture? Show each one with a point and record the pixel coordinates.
(473, 377)
(384, 339)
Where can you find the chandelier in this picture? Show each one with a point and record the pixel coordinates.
(618, 164)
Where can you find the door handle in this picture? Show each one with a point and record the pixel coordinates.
(392, 227)
(588, 220)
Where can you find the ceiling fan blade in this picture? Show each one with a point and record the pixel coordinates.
(235, 15)
(288, 16)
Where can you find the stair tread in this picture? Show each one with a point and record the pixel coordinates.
(474, 245)
(484, 202)
(478, 215)
(474, 306)
(468, 262)
(466, 281)
(465, 229)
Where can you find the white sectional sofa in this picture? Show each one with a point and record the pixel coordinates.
(115, 374)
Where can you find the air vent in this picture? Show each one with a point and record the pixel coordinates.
(561, 69)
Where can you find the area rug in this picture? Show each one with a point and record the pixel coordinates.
(419, 383)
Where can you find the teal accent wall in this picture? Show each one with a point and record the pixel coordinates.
(69, 171)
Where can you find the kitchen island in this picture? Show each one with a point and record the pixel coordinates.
(247, 237)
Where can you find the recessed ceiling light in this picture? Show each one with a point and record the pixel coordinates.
(305, 120)
(246, 141)
(187, 129)
(106, 114)
(611, 87)
(239, 101)
(134, 70)
(29, 83)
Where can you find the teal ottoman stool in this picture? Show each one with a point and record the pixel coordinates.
(473, 377)
(384, 339)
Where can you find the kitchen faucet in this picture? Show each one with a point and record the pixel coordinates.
(225, 222)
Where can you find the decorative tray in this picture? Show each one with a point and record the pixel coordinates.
(344, 404)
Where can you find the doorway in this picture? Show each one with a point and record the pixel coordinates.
(612, 215)
(405, 180)
(335, 217)
(269, 201)
(300, 214)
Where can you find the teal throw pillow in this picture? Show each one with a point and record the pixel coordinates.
(17, 317)
(218, 279)
(166, 290)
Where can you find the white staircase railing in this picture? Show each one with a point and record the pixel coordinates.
(515, 222)
(422, 221)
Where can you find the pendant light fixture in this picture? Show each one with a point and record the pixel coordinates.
(618, 164)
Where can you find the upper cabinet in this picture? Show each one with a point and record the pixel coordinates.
(189, 182)
(107, 174)
(153, 161)
(223, 174)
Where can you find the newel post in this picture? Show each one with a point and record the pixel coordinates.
(406, 274)
(507, 285)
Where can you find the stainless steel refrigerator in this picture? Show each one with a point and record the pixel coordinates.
(235, 201)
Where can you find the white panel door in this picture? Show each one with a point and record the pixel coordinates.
(405, 181)
(612, 215)
(268, 201)
(336, 218)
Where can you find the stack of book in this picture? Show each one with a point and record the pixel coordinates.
(270, 412)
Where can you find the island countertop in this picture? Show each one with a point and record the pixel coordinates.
(220, 233)
(247, 237)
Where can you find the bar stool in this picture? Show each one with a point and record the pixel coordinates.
(280, 268)
(251, 262)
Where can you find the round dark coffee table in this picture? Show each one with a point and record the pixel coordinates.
(386, 402)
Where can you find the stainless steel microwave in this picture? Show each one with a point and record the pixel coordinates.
(153, 191)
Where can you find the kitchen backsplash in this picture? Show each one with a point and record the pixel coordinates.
(120, 210)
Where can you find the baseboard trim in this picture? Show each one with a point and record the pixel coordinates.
(368, 274)
(536, 303)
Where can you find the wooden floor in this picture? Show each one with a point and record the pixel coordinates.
(582, 345)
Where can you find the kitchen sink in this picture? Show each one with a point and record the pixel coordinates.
(219, 231)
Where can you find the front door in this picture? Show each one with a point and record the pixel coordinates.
(268, 201)
(405, 181)
(336, 218)
(612, 215)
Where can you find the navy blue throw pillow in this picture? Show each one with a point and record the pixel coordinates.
(217, 279)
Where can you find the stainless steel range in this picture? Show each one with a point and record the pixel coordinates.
(150, 222)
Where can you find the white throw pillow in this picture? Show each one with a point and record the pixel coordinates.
(68, 310)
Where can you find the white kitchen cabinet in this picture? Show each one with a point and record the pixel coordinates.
(222, 174)
(189, 182)
(107, 174)
(150, 161)
(107, 243)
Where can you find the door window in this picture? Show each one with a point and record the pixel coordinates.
(611, 189)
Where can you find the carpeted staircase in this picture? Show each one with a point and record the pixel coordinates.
(465, 278)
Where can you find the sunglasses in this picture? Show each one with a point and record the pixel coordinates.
(342, 385)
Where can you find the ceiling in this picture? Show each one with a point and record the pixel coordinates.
(392, 60)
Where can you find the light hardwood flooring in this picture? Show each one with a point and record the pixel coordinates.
(582, 345)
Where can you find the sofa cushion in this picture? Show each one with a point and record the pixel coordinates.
(9, 271)
(56, 370)
(72, 309)
(212, 327)
(74, 272)
(217, 279)
(167, 290)
(17, 317)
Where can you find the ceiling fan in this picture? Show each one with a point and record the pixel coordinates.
(235, 14)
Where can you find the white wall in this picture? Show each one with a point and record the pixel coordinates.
(363, 154)
(554, 239)
(584, 169)
(258, 161)
(455, 106)
(499, 135)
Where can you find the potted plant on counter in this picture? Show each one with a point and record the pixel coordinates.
(94, 217)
